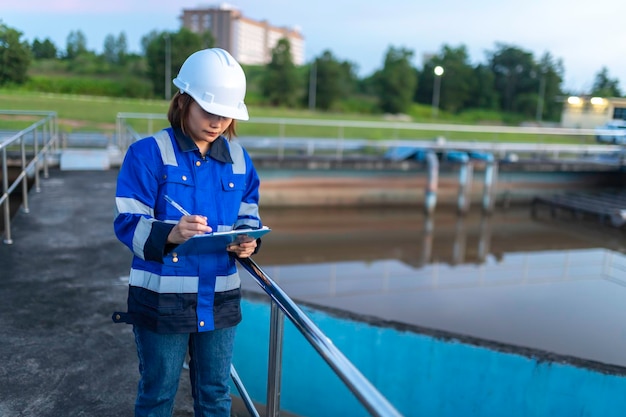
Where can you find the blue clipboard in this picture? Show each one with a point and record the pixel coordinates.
(218, 241)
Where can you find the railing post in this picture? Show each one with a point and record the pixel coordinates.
(35, 157)
(5, 192)
(25, 208)
(47, 140)
(274, 371)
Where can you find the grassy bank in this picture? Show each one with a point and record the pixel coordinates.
(90, 113)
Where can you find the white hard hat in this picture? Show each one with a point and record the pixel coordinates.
(216, 82)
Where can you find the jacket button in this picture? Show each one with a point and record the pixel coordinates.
(198, 163)
(231, 185)
(201, 324)
(117, 317)
(164, 176)
(174, 259)
(184, 178)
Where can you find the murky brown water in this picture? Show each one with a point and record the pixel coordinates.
(548, 284)
(338, 234)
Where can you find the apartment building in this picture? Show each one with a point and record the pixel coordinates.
(249, 41)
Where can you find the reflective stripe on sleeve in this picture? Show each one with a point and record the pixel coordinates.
(252, 223)
(248, 209)
(142, 232)
(132, 206)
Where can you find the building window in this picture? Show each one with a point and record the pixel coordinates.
(195, 23)
(207, 21)
(619, 113)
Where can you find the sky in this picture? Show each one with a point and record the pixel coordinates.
(586, 36)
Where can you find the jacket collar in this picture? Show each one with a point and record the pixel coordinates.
(219, 150)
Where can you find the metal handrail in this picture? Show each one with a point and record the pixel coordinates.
(365, 392)
(49, 135)
(340, 145)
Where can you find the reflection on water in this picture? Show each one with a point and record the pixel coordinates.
(302, 236)
(544, 284)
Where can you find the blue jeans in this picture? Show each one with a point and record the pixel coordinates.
(161, 358)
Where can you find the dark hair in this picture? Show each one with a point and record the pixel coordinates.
(178, 114)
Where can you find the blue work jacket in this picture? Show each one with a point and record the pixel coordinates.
(168, 292)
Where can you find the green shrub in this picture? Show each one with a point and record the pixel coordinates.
(132, 87)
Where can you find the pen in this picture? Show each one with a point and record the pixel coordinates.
(176, 205)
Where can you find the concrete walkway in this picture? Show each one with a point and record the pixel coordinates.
(60, 281)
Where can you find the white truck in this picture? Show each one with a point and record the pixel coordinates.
(613, 131)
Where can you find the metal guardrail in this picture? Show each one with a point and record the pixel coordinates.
(341, 147)
(282, 305)
(44, 136)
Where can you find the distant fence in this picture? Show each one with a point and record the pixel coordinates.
(282, 145)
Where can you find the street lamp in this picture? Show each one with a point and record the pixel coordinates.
(436, 89)
(168, 67)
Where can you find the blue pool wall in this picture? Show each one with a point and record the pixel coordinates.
(419, 374)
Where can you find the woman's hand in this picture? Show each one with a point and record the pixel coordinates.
(244, 249)
(187, 227)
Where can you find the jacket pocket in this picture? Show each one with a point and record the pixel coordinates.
(177, 183)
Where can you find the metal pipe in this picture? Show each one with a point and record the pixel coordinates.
(247, 401)
(274, 371)
(365, 392)
(430, 198)
(491, 172)
(465, 186)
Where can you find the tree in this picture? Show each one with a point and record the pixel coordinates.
(334, 80)
(115, 49)
(15, 56)
(550, 75)
(181, 44)
(604, 86)
(44, 50)
(513, 69)
(396, 82)
(484, 95)
(76, 44)
(280, 84)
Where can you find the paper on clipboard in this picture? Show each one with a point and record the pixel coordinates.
(218, 241)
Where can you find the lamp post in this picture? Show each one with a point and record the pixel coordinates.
(312, 85)
(541, 97)
(437, 89)
(168, 67)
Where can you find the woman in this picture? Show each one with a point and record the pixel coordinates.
(179, 303)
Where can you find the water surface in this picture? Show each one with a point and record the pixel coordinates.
(552, 285)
